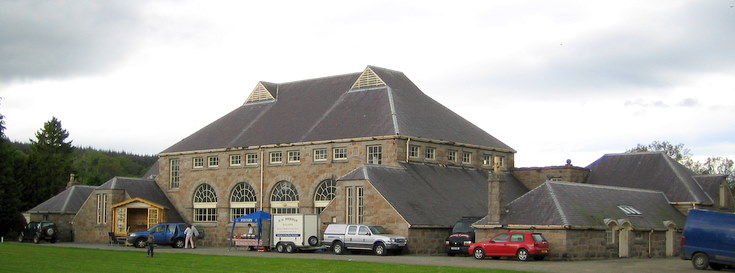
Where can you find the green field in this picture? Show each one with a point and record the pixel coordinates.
(16, 257)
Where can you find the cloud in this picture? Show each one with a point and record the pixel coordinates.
(56, 39)
(651, 50)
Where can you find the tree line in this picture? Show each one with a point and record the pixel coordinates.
(31, 173)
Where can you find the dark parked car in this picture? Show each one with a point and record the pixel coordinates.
(522, 245)
(463, 235)
(37, 231)
(163, 234)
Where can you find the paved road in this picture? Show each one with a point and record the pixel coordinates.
(668, 265)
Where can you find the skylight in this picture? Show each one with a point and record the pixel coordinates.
(629, 210)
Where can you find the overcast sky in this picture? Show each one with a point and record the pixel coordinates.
(552, 79)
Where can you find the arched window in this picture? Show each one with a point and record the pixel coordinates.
(324, 194)
(242, 200)
(205, 204)
(284, 198)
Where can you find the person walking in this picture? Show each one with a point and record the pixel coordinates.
(188, 232)
(151, 241)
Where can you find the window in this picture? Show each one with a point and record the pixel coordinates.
(516, 238)
(502, 238)
(174, 175)
(242, 200)
(413, 151)
(430, 153)
(294, 156)
(205, 204)
(339, 153)
(324, 193)
(610, 236)
(487, 160)
(374, 154)
(500, 161)
(276, 157)
(320, 154)
(284, 198)
(355, 205)
(101, 208)
(235, 160)
(629, 210)
(213, 161)
(452, 156)
(198, 163)
(466, 157)
(251, 159)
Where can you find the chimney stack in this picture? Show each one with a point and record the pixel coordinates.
(72, 181)
(496, 190)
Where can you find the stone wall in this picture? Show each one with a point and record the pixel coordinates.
(427, 241)
(535, 176)
(85, 224)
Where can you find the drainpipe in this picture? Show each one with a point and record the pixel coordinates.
(262, 165)
(408, 148)
(650, 242)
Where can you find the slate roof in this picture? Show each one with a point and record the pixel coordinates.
(432, 194)
(326, 109)
(649, 170)
(711, 183)
(145, 189)
(68, 201)
(153, 171)
(577, 204)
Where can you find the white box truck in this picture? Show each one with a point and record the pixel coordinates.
(295, 232)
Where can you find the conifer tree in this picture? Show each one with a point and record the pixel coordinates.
(49, 163)
(10, 203)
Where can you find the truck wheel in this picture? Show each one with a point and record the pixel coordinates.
(178, 243)
(700, 261)
(313, 241)
(140, 243)
(379, 249)
(338, 248)
(279, 248)
(290, 248)
(20, 237)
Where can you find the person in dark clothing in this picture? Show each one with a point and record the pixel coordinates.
(150, 245)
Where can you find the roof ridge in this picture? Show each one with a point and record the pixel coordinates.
(557, 204)
(68, 197)
(393, 112)
(670, 162)
(319, 78)
(603, 186)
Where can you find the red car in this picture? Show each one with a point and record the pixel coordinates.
(522, 245)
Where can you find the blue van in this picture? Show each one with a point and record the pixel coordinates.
(709, 239)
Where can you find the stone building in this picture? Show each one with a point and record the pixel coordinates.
(622, 205)
(62, 208)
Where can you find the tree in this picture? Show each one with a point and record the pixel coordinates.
(10, 203)
(49, 163)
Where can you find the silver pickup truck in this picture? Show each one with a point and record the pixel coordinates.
(343, 237)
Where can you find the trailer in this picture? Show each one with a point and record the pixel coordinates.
(295, 232)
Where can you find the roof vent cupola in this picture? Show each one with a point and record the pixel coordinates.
(368, 78)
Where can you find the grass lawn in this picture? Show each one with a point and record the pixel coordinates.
(16, 257)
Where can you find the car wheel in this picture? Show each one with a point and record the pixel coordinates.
(178, 243)
(53, 240)
(280, 248)
(313, 241)
(522, 255)
(36, 239)
(20, 237)
(290, 248)
(700, 261)
(479, 253)
(539, 257)
(140, 243)
(338, 248)
(379, 249)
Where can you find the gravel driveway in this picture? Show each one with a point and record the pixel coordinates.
(668, 265)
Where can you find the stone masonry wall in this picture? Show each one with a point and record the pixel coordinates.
(86, 228)
(534, 177)
(427, 241)
(62, 221)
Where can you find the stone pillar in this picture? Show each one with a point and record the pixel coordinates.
(496, 190)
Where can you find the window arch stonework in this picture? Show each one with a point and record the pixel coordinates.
(205, 204)
(324, 193)
(242, 200)
(284, 198)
